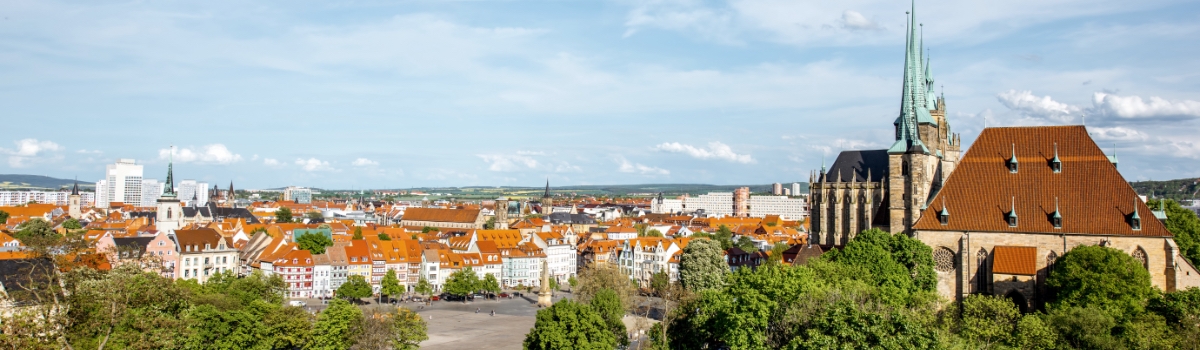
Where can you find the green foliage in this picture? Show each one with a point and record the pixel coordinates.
(423, 286)
(569, 325)
(988, 321)
(654, 233)
(408, 329)
(572, 281)
(1034, 334)
(384, 237)
(554, 284)
(283, 215)
(3, 217)
(428, 229)
(391, 328)
(724, 237)
(355, 287)
(702, 266)
(72, 224)
(313, 215)
(1100, 277)
(314, 242)
(608, 304)
(390, 285)
(358, 233)
(1178, 306)
(490, 224)
(36, 232)
(746, 244)
(490, 283)
(1084, 328)
(462, 282)
(659, 282)
(597, 277)
(336, 326)
(900, 266)
(1184, 225)
(777, 250)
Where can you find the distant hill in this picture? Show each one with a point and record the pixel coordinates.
(1170, 189)
(620, 190)
(37, 182)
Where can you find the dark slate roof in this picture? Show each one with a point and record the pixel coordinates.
(221, 213)
(570, 219)
(857, 163)
(19, 275)
(139, 245)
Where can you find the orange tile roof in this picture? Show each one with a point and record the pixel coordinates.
(1092, 196)
(1014, 260)
(441, 215)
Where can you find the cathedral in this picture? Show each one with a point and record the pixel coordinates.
(889, 188)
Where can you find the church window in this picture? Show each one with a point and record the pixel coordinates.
(168, 213)
(1140, 255)
(1050, 259)
(982, 270)
(943, 259)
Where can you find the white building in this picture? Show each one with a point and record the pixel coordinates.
(299, 195)
(561, 257)
(795, 188)
(191, 189)
(151, 190)
(714, 204)
(122, 183)
(787, 208)
(666, 205)
(15, 198)
(641, 258)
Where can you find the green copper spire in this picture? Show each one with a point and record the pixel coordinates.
(912, 103)
(169, 187)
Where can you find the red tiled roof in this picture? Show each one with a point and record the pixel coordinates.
(441, 215)
(1014, 260)
(1093, 198)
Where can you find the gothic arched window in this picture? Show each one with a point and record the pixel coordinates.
(1140, 255)
(1050, 259)
(943, 259)
(982, 270)
(168, 213)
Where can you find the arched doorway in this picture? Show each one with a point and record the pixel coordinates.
(1019, 299)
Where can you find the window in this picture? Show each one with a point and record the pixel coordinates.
(981, 270)
(1140, 255)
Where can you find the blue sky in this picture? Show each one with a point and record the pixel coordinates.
(395, 94)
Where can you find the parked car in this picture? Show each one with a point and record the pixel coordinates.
(418, 299)
(434, 298)
(503, 295)
(298, 303)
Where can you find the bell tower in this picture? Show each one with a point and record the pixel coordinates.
(73, 208)
(170, 212)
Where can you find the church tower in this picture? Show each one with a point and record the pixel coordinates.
(170, 212)
(547, 201)
(501, 214)
(73, 202)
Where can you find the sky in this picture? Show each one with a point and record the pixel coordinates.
(398, 94)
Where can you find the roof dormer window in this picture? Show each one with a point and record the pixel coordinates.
(1135, 220)
(1056, 218)
(1055, 163)
(1012, 161)
(1012, 214)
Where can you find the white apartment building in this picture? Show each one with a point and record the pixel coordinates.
(561, 257)
(299, 195)
(714, 203)
(122, 183)
(795, 188)
(667, 205)
(204, 252)
(151, 190)
(191, 189)
(15, 198)
(787, 208)
(641, 258)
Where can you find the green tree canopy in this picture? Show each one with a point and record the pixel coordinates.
(608, 304)
(654, 233)
(390, 285)
(384, 237)
(746, 244)
(423, 286)
(899, 265)
(659, 282)
(569, 325)
(1184, 225)
(36, 232)
(987, 320)
(355, 287)
(462, 282)
(490, 283)
(337, 326)
(723, 237)
(3, 217)
(596, 277)
(357, 233)
(314, 242)
(1102, 278)
(702, 266)
(313, 215)
(283, 215)
(72, 224)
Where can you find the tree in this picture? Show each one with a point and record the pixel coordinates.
(283, 215)
(490, 224)
(3, 217)
(554, 284)
(572, 282)
(702, 266)
(72, 224)
(428, 229)
(724, 237)
(314, 216)
(36, 232)
(1034, 334)
(659, 282)
(1102, 278)
(384, 237)
(988, 321)
(423, 287)
(314, 242)
(462, 282)
(654, 233)
(569, 325)
(608, 304)
(1184, 225)
(408, 329)
(746, 244)
(901, 265)
(777, 250)
(490, 284)
(355, 287)
(337, 326)
(358, 233)
(398, 328)
(596, 277)
(390, 285)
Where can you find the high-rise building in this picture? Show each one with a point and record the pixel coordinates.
(122, 183)
(151, 189)
(193, 192)
(777, 189)
(795, 188)
(301, 195)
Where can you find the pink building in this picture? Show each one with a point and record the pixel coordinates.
(156, 253)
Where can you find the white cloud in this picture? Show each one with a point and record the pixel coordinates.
(1026, 103)
(364, 162)
(271, 162)
(313, 164)
(87, 151)
(211, 154)
(856, 21)
(1118, 133)
(509, 162)
(1106, 105)
(715, 150)
(565, 167)
(28, 150)
(627, 167)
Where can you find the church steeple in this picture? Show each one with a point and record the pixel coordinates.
(169, 187)
(912, 104)
(547, 194)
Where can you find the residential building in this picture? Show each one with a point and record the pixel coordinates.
(360, 259)
(322, 275)
(194, 193)
(465, 219)
(339, 266)
(1024, 196)
(777, 189)
(203, 252)
(431, 268)
(522, 265)
(641, 258)
(561, 257)
(122, 183)
(299, 195)
(490, 261)
(796, 189)
(791, 209)
(151, 190)
(296, 269)
(16, 198)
